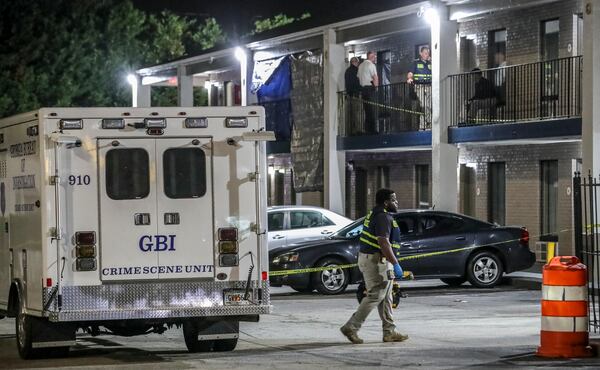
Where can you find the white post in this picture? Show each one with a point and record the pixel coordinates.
(185, 88)
(242, 56)
(334, 161)
(143, 95)
(444, 156)
(590, 129)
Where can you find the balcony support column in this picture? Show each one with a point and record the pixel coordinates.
(444, 161)
(333, 81)
(185, 88)
(590, 130)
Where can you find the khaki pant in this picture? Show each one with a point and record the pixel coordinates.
(379, 293)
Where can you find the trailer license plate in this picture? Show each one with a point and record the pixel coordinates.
(235, 297)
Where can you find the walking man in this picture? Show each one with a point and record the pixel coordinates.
(376, 260)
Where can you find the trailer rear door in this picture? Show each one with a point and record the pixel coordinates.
(185, 207)
(128, 215)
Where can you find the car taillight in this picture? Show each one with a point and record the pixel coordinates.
(524, 240)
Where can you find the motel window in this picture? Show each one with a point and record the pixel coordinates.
(496, 44)
(549, 39)
(422, 186)
(497, 193)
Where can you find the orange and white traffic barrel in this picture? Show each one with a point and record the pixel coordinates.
(564, 309)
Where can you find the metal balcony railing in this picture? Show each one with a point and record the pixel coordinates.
(393, 108)
(526, 92)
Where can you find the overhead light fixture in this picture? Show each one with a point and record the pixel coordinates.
(131, 79)
(428, 13)
(207, 84)
(240, 54)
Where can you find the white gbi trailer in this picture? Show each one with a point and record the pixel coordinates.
(133, 220)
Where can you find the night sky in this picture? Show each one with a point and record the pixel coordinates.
(237, 17)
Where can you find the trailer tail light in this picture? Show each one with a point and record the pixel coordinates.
(85, 238)
(264, 276)
(232, 122)
(228, 260)
(228, 234)
(228, 246)
(85, 264)
(48, 282)
(200, 122)
(71, 124)
(85, 251)
(113, 123)
(524, 240)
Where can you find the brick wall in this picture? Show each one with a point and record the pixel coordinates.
(523, 30)
(401, 176)
(523, 183)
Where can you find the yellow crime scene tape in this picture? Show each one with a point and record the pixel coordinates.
(406, 258)
(389, 107)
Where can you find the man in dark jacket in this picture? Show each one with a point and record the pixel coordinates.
(352, 97)
(484, 97)
(351, 78)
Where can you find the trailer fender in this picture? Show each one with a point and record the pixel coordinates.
(14, 296)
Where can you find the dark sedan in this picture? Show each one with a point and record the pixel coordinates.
(435, 245)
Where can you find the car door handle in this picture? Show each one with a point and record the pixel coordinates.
(278, 236)
(325, 232)
(461, 238)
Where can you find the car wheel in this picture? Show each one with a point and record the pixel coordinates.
(484, 270)
(190, 335)
(225, 345)
(332, 281)
(454, 281)
(302, 289)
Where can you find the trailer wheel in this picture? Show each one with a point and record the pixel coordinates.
(190, 335)
(24, 333)
(225, 345)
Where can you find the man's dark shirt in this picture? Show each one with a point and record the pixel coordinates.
(351, 78)
(381, 223)
(484, 89)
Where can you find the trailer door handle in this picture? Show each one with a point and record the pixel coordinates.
(141, 219)
(172, 218)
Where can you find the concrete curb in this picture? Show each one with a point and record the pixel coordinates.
(525, 282)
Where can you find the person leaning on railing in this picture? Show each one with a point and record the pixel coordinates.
(419, 77)
(484, 97)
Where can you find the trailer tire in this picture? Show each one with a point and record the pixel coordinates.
(24, 333)
(190, 335)
(225, 345)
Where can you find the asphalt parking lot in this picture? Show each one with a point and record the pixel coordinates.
(449, 328)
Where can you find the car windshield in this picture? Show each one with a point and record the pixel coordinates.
(350, 231)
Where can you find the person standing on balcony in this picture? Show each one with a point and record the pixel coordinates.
(420, 78)
(368, 79)
(352, 96)
(484, 97)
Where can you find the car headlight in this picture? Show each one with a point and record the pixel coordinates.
(285, 258)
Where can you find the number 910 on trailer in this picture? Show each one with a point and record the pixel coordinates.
(131, 221)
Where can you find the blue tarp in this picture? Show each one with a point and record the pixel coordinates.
(277, 86)
(274, 95)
